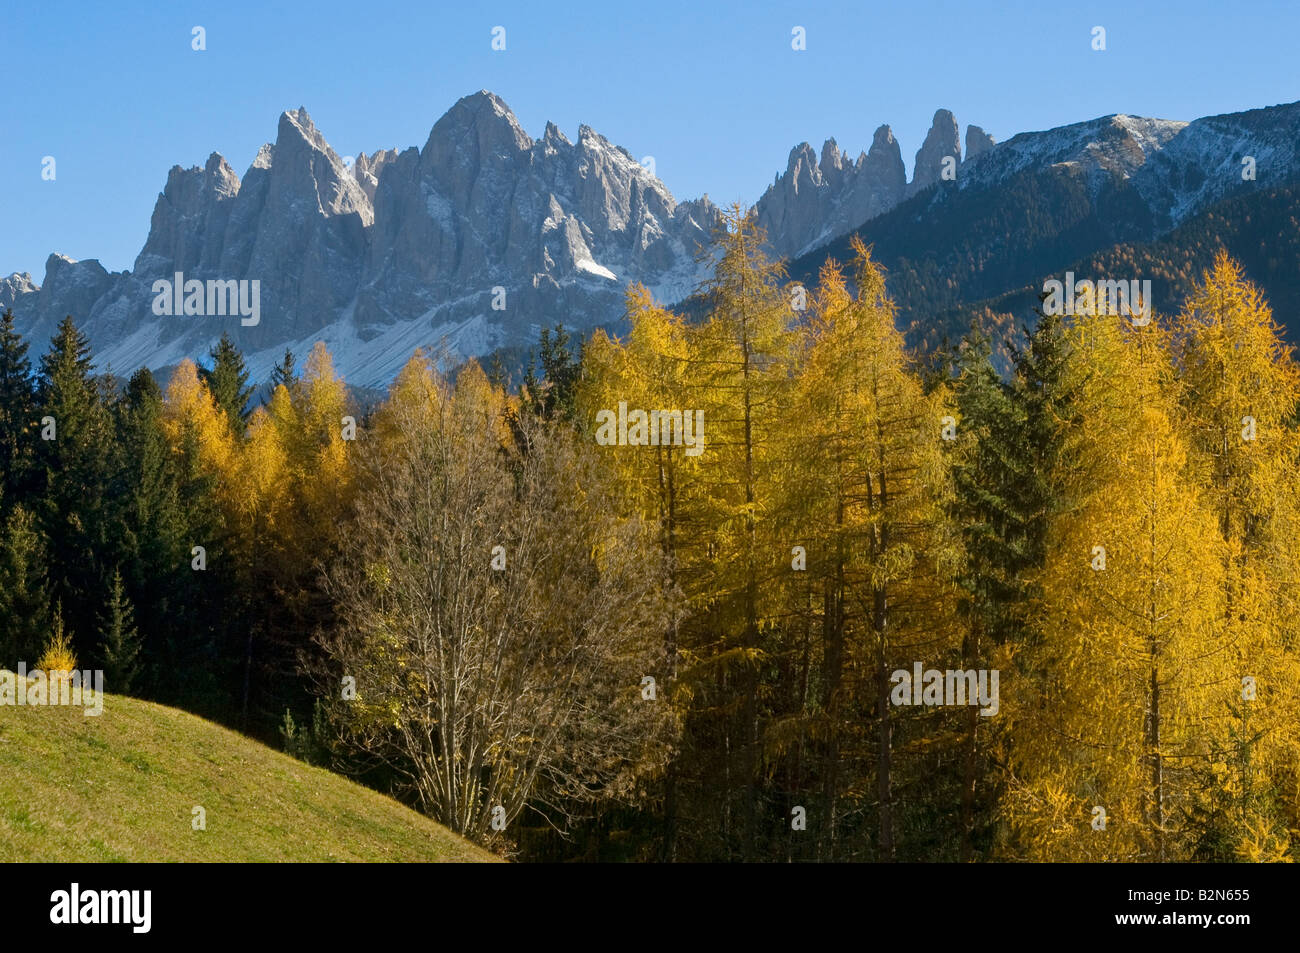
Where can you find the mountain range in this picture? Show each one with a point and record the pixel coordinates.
(1120, 197)
(473, 242)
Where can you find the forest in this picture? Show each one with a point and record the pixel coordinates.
(578, 649)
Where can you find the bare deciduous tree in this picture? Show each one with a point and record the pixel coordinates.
(495, 677)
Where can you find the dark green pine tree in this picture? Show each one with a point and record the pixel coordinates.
(168, 506)
(228, 382)
(985, 506)
(1006, 467)
(552, 397)
(24, 597)
(17, 419)
(77, 464)
(1044, 411)
(155, 545)
(284, 372)
(562, 370)
(119, 640)
(987, 472)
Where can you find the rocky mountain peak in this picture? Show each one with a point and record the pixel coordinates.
(885, 162)
(264, 157)
(817, 199)
(883, 138)
(553, 138)
(977, 141)
(14, 287)
(303, 164)
(831, 157)
(295, 123)
(940, 142)
(833, 164)
(485, 120)
(366, 170)
(560, 225)
(801, 166)
(187, 229)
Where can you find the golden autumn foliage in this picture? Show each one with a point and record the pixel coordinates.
(818, 553)
(1132, 656)
(773, 581)
(191, 413)
(1241, 392)
(58, 655)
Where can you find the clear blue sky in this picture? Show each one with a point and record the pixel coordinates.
(712, 90)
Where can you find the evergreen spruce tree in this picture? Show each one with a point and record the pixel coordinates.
(284, 372)
(496, 372)
(1009, 483)
(553, 396)
(17, 420)
(986, 466)
(227, 381)
(119, 640)
(24, 596)
(76, 469)
(986, 475)
(155, 544)
(1043, 396)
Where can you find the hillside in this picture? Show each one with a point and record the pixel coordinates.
(1175, 261)
(122, 787)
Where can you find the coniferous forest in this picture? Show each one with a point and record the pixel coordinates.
(889, 606)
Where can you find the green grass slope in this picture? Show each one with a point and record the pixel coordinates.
(122, 787)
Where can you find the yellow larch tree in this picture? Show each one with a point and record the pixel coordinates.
(872, 495)
(646, 371)
(1111, 722)
(189, 412)
(1241, 394)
